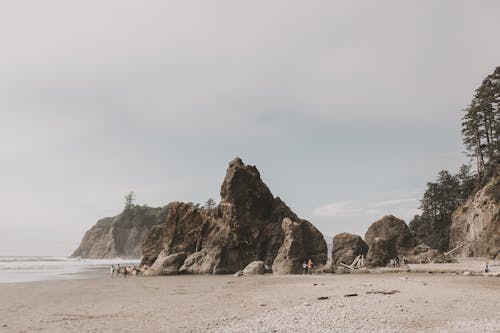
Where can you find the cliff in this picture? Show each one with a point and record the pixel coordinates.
(120, 236)
(476, 224)
(246, 226)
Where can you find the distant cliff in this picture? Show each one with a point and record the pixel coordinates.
(476, 223)
(120, 236)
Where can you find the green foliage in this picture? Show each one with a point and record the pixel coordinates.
(481, 136)
(481, 125)
(210, 203)
(440, 200)
(129, 200)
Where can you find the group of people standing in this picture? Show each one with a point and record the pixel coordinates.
(307, 266)
(117, 270)
(396, 263)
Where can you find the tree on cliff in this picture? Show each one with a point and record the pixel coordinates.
(210, 203)
(481, 136)
(481, 126)
(440, 200)
(129, 200)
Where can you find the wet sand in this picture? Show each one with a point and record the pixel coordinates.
(442, 302)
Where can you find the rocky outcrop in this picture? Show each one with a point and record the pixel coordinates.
(394, 230)
(381, 251)
(476, 224)
(166, 264)
(422, 254)
(345, 248)
(291, 253)
(120, 236)
(255, 267)
(244, 227)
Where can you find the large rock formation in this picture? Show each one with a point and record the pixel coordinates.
(345, 248)
(476, 224)
(387, 238)
(244, 227)
(291, 254)
(392, 229)
(120, 236)
(381, 252)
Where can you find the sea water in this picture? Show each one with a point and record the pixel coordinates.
(27, 269)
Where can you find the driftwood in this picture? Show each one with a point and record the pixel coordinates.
(346, 266)
(383, 292)
(450, 252)
(358, 262)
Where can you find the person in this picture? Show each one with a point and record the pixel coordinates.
(112, 270)
(397, 261)
(304, 267)
(486, 268)
(309, 266)
(405, 261)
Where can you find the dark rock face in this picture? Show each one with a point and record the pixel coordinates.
(346, 247)
(381, 251)
(291, 253)
(120, 236)
(392, 229)
(476, 224)
(244, 227)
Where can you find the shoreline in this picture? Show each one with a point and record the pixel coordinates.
(224, 303)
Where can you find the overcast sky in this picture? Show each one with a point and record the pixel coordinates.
(346, 108)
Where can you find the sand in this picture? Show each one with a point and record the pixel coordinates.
(423, 302)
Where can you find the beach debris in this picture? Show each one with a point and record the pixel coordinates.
(323, 298)
(350, 295)
(383, 292)
(366, 284)
(262, 304)
(358, 262)
(315, 284)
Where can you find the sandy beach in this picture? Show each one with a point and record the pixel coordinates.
(421, 302)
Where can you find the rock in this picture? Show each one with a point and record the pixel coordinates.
(476, 224)
(291, 254)
(268, 269)
(244, 227)
(381, 251)
(255, 267)
(238, 273)
(345, 248)
(166, 264)
(393, 230)
(120, 236)
(423, 254)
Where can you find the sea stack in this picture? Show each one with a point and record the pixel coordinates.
(246, 226)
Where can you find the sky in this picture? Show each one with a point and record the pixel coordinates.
(346, 108)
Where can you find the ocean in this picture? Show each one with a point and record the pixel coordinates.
(27, 269)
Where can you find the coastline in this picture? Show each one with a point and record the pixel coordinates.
(224, 303)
